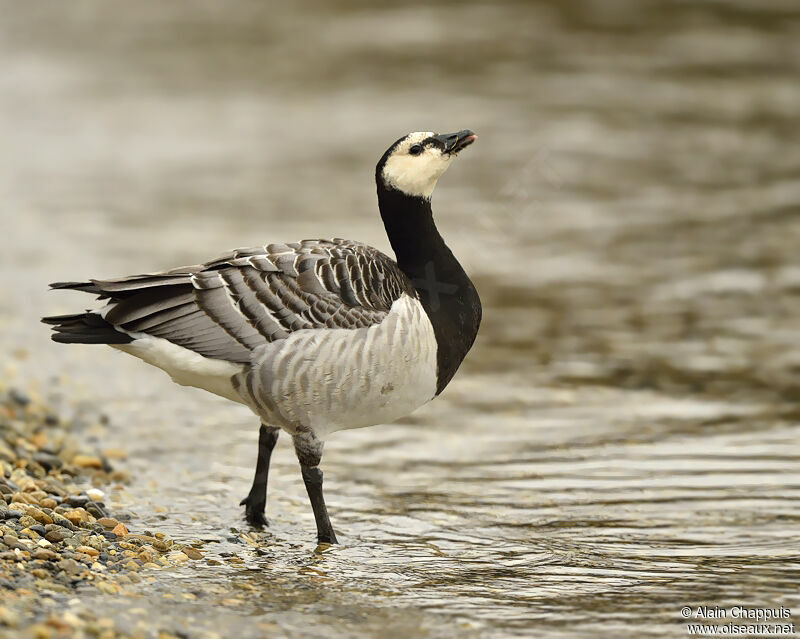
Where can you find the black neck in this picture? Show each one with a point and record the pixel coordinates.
(446, 293)
(411, 230)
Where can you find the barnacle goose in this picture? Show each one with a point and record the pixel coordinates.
(314, 336)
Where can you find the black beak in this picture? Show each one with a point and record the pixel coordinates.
(454, 142)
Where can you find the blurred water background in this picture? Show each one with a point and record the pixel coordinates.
(623, 439)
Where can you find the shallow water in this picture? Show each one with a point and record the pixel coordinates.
(622, 441)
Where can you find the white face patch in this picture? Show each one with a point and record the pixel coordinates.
(415, 175)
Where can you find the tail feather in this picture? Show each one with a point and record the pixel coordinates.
(88, 287)
(124, 287)
(84, 328)
(133, 298)
(55, 320)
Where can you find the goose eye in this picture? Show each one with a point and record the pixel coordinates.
(415, 149)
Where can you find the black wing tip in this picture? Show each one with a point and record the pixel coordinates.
(83, 338)
(55, 320)
(84, 328)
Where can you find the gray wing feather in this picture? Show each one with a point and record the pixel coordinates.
(149, 302)
(230, 306)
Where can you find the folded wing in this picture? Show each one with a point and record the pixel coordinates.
(228, 307)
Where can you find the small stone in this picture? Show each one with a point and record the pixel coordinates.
(39, 516)
(8, 618)
(39, 440)
(6, 454)
(95, 494)
(88, 550)
(95, 541)
(47, 461)
(77, 501)
(9, 539)
(162, 545)
(40, 631)
(70, 566)
(23, 498)
(96, 509)
(18, 396)
(76, 516)
(38, 495)
(67, 620)
(107, 587)
(121, 476)
(108, 523)
(73, 541)
(30, 534)
(192, 553)
(87, 461)
(54, 536)
(48, 502)
(99, 478)
(63, 521)
(43, 553)
(147, 556)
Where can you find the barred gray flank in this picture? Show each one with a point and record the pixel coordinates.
(378, 372)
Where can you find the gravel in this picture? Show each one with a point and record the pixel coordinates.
(56, 534)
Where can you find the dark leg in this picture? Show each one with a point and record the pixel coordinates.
(309, 452)
(313, 480)
(256, 502)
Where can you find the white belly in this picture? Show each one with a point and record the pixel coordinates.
(334, 379)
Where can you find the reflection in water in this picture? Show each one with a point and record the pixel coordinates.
(621, 442)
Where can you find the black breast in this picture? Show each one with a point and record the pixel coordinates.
(454, 309)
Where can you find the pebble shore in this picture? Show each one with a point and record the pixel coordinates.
(57, 536)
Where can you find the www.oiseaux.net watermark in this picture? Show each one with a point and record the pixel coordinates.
(705, 621)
